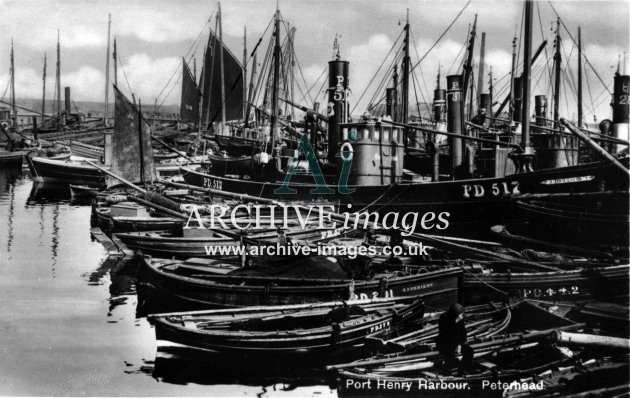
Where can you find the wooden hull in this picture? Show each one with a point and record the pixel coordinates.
(76, 172)
(231, 165)
(297, 329)
(605, 221)
(472, 202)
(11, 159)
(236, 146)
(168, 245)
(45, 170)
(607, 283)
(438, 289)
(125, 224)
(86, 150)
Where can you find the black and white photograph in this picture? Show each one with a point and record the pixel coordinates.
(302, 198)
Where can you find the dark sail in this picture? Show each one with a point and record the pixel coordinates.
(189, 108)
(129, 140)
(211, 84)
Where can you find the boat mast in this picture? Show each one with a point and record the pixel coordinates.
(276, 80)
(220, 19)
(556, 94)
(244, 69)
(405, 82)
(109, 25)
(58, 77)
(115, 59)
(528, 150)
(579, 84)
(512, 77)
(141, 146)
(251, 90)
(13, 107)
(468, 66)
(44, 89)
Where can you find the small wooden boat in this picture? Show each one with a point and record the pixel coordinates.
(305, 280)
(602, 377)
(171, 243)
(69, 171)
(11, 159)
(229, 165)
(599, 221)
(237, 146)
(309, 329)
(97, 152)
(482, 321)
(78, 172)
(424, 369)
(602, 283)
(140, 220)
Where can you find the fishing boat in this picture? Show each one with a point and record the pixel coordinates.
(11, 159)
(364, 163)
(600, 377)
(482, 322)
(305, 280)
(190, 244)
(122, 154)
(601, 283)
(126, 216)
(228, 165)
(313, 330)
(599, 221)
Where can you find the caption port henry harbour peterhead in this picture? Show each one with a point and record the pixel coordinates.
(269, 198)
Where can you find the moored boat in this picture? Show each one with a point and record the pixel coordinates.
(194, 285)
(315, 330)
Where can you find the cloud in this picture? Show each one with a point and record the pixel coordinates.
(148, 78)
(365, 59)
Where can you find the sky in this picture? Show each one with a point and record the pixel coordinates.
(153, 35)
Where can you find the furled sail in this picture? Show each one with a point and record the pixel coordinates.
(211, 83)
(131, 142)
(189, 108)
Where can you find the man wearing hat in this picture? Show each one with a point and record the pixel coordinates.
(452, 336)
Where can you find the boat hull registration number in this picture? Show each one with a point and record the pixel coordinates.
(212, 183)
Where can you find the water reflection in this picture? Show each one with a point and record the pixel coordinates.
(45, 193)
(184, 365)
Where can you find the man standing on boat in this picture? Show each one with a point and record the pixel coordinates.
(452, 337)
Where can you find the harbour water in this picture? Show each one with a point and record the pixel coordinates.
(68, 315)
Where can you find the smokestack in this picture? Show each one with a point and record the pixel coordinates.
(454, 119)
(67, 98)
(621, 107)
(337, 85)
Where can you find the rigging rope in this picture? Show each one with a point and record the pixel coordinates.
(441, 36)
(376, 73)
(583, 54)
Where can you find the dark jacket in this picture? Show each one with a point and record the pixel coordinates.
(450, 334)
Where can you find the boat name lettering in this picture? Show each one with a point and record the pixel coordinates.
(366, 296)
(380, 326)
(504, 188)
(568, 180)
(551, 292)
(415, 288)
